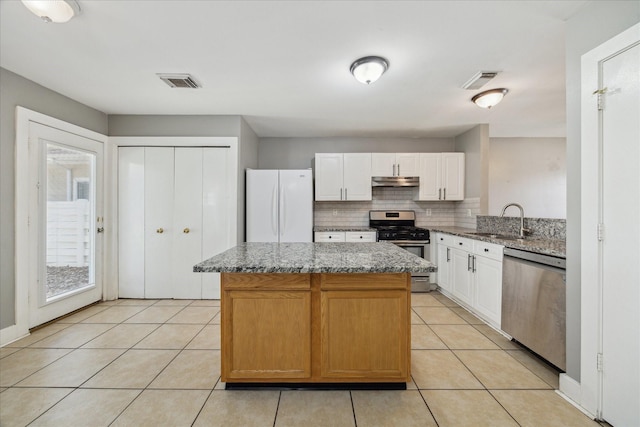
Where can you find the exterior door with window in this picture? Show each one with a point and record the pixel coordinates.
(65, 222)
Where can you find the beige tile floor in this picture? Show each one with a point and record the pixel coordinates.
(157, 363)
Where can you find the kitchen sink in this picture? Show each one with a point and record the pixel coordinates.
(496, 236)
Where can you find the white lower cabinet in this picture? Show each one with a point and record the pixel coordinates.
(488, 288)
(462, 276)
(172, 214)
(471, 272)
(345, 236)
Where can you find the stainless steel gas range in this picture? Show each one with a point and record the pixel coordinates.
(399, 227)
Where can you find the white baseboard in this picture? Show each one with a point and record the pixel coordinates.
(571, 390)
(11, 334)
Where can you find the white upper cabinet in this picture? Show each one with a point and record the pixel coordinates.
(395, 164)
(441, 176)
(343, 176)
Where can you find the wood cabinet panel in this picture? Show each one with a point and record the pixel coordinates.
(266, 334)
(365, 334)
(347, 281)
(275, 281)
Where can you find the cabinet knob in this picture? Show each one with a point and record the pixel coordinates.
(361, 237)
(186, 230)
(100, 229)
(160, 230)
(331, 237)
(486, 250)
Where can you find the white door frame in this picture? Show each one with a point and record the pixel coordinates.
(589, 395)
(23, 173)
(111, 211)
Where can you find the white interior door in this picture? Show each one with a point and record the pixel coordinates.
(216, 198)
(187, 223)
(65, 222)
(131, 222)
(620, 210)
(158, 221)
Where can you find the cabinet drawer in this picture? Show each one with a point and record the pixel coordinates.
(329, 236)
(444, 239)
(488, 250)
(462, 243)
(355, 236)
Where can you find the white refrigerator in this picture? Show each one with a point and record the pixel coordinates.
(279, 205)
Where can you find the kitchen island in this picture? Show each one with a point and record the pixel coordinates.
(316, 314)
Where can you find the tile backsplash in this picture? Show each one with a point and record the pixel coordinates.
(442, 214)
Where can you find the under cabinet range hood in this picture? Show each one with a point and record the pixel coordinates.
(395, 181)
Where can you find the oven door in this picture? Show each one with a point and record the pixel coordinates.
(420, 282)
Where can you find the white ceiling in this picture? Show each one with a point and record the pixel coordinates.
(284, 65)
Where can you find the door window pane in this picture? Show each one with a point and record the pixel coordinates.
(70, 187)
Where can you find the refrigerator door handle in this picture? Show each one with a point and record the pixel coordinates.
(274, 210)
(283, 211)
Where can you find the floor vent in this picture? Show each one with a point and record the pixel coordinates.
(180, 81)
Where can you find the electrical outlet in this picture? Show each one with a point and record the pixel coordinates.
(335, 212)
(469, 213)
(427, 212)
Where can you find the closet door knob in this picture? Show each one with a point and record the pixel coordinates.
(186, 230)
(160, 230)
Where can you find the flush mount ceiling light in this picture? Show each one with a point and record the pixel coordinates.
(489, 98)
(369, 69)
(57, 11)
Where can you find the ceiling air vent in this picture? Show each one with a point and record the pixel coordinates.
(479, 79)
(179, 80)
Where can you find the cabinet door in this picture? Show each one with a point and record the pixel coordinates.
(187, 223)
(383, 164)
(158, 221)
(488, 288)
(444, 267)
(329, 172)
(364, 334)
(461, 275)
(453, 176)
(430, 173)
(267, 335)
(407, 164)
(131, 222)
(357, 176)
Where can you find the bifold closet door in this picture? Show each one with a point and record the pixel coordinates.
(173, 213)
(187, 223)
(131, 231)
(159, 228)
(216, 228)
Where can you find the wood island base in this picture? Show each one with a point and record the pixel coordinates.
(316, 330)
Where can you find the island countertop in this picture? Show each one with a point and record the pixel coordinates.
(379, 257)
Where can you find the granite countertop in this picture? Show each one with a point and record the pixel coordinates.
(380, 257)
(553, 247)
(326, 229)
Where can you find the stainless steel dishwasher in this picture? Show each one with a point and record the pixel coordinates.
(534, 303)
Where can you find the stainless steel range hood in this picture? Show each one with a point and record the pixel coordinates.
(395, 181)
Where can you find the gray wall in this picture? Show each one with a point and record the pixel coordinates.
(169, 125)
(298, 153)
(18, 91)
(248, 159)
(475, 144)
(597, 22)
(531, 172)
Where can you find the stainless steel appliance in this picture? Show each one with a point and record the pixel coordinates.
(399, 227)
(534, 303)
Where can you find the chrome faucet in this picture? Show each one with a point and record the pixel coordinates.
(523, 230)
